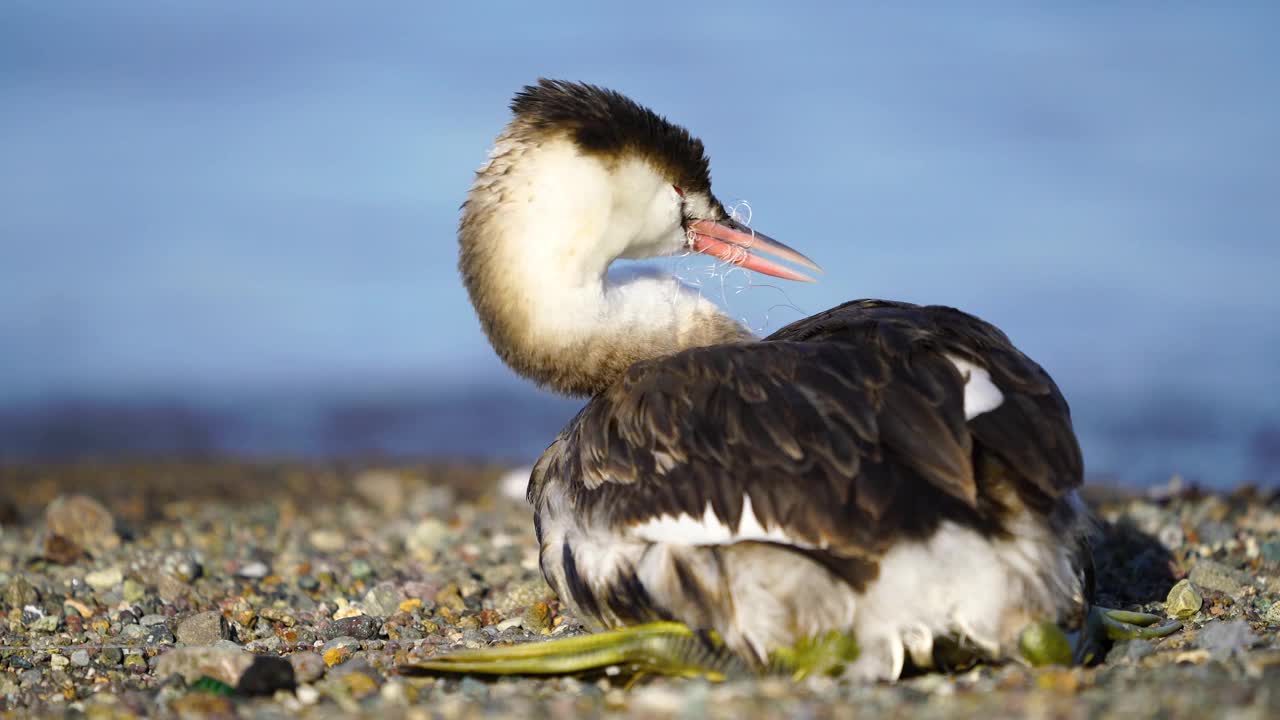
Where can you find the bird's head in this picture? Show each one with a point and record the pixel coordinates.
(615, 180)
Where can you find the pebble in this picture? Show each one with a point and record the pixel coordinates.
(361, 569)
(359, 685)
(360, 627)
(134, 591)
(381, 489)
(450, 597)
(254, 570)
(426, 539)
(84, 521)
(1213, 575)
(536, 617)
(327, 540)
(135, 662)
(383, 600)
(170, 588)
(1271, 551)
(307, 695)
(203, 628)
(307, 666)
(158, 635)
(224, 664)
(1272, 617)
(47, 624)
(337, 650)
(1225, 639)
(58, 662)
(109, 657)
(1184, 600)
(19, 592)
(105, 579)
(80, 658)
(265, 675)
(1215, 533)
(152, 619)
(183, 566)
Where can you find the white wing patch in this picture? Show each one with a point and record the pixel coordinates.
(685, 529)
(980, 394)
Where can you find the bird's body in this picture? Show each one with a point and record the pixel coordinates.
(894, 473)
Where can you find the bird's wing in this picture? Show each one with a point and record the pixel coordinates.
(840, 433)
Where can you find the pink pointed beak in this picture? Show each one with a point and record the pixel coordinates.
(737, 244)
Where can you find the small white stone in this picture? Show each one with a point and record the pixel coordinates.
(255, 569)
(308, 694)
(102, 580)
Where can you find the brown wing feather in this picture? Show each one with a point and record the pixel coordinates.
(846, 429)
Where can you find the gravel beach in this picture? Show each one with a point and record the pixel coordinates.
(269, 590)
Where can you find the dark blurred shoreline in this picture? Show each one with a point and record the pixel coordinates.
(512, 425)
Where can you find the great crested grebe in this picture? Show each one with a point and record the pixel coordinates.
(863, 488)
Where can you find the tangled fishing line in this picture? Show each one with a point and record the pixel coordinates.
(726, 277)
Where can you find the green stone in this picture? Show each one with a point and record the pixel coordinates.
(48, 624)
(211, 685)
(361, 569)
(134, 591)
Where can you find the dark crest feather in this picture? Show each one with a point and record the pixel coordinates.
(605, 122)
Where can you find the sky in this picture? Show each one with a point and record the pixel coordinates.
(217, 199)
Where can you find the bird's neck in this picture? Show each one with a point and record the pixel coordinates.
(579, 335)
(538, 276)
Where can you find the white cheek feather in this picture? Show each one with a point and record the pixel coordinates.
(685, 529)
(980, 393)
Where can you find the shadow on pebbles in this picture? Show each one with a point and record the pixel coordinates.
(226, 589)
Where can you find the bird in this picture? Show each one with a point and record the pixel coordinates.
(878, 487)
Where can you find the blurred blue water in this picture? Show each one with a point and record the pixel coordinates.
(238, 218)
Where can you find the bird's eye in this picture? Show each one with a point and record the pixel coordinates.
(678, 189)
